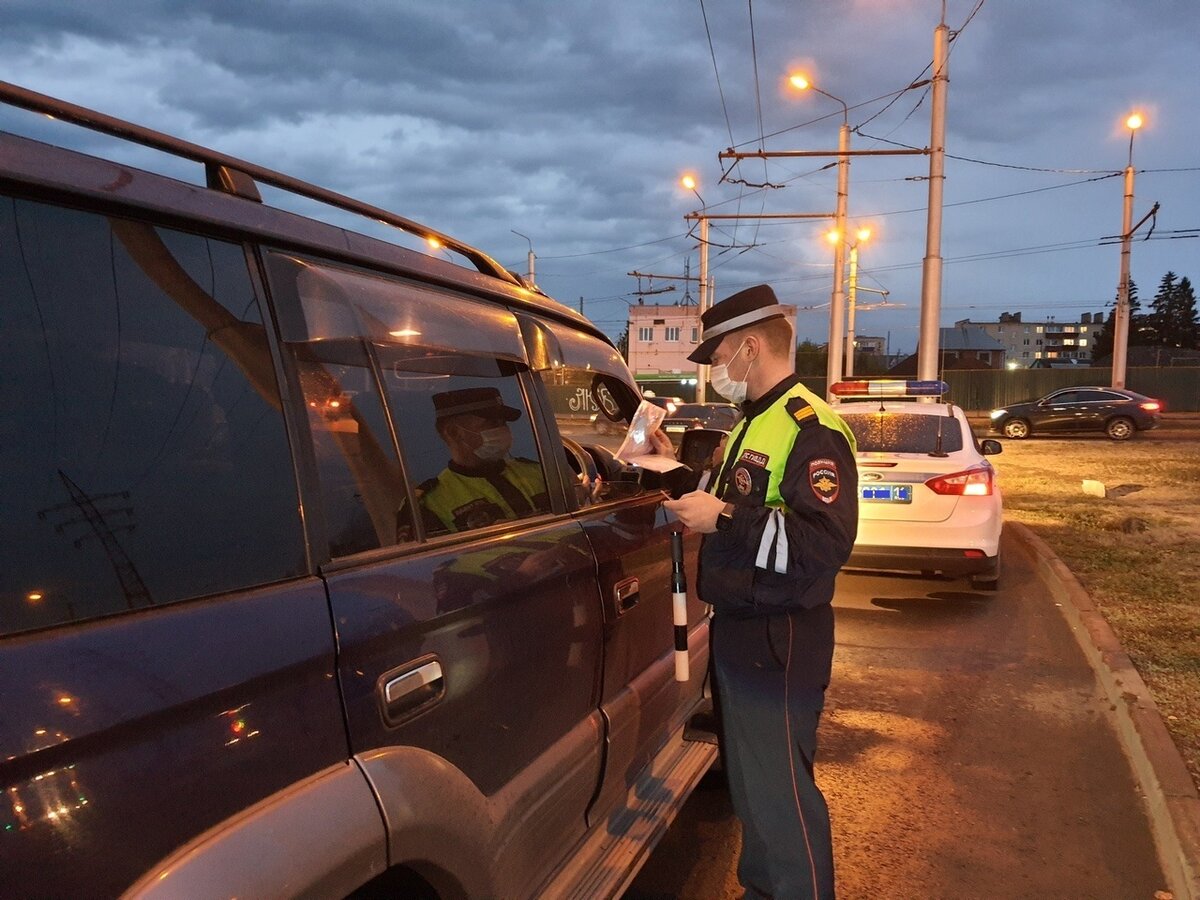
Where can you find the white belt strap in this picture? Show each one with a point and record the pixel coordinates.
(774, 535)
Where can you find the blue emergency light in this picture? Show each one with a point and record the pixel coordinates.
(889, 387)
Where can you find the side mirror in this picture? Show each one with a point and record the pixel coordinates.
(991, 448)
(698, 447)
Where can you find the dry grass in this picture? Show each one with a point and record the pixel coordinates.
(1137, 550)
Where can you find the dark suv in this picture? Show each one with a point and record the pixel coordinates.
(263, 632)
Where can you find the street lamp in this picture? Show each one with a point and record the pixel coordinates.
(688, 181)
(1120, 351)
(861, 236)
(833, 367)
(531, 256)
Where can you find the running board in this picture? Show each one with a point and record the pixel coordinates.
(609, 858)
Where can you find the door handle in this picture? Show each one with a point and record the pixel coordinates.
(413, 685)
(627, 593)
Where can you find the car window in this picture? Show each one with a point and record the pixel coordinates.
(892, 432)
(1064, 397)
(1101, 397)
(362, 489)
(143, 457)
(430, 421)
(468, 438)
(591, 394)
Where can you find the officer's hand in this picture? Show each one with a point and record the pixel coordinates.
(697, 510)
(661, 443)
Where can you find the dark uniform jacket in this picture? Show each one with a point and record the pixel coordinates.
(789, 470)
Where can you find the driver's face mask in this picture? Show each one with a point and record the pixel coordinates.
(494, 443)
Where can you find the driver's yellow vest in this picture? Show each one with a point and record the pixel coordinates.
(463, 502)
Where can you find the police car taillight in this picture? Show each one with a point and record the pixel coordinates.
(974, 482)
(889, 387)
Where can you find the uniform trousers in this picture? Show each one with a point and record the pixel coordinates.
(771, 675)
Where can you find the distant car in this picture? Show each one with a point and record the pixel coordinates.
(722, 416)
(928, 500)
(1115, 412)
(1059, 364)
(670, 404)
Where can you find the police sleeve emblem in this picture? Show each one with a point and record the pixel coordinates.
(823, 479)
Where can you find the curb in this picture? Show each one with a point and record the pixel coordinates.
(1171, 798)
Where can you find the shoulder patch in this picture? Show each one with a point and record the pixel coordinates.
(800, 410)
(824, 480)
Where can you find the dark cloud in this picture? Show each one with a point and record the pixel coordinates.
(571, 121)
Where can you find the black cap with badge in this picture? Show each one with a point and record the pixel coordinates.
(485, 402)
(737, 311)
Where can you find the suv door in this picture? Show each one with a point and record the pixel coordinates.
(166, 662)
(469, 630)
(590, 392)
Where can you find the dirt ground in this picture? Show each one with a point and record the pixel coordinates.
(1136, 550)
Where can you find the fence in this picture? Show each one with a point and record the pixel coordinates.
(980, 390)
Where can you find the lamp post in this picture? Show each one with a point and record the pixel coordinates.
(862, 234)
(1120, 350)
(531, 256)
(833, 366)
(689, 182)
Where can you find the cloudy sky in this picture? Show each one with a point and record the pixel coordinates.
(571, 122)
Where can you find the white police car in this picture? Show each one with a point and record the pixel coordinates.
(928, 499)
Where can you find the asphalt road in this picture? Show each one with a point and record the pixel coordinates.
(965, 752)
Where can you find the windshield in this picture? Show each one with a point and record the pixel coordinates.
(891, 432)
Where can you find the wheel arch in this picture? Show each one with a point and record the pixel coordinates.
(322, 836)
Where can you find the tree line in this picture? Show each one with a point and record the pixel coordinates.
(1172, 320)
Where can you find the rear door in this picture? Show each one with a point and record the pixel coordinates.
(474, 640)
(1060, 412)
(166, 660)
(589, 390)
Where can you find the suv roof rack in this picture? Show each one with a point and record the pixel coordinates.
(238, 177)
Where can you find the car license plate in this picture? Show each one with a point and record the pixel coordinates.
(885, 493)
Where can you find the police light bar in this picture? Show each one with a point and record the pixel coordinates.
(889, 388)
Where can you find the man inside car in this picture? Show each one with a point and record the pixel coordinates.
(482, 483)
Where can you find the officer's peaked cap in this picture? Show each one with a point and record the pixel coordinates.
(484, 401)
(737, 311)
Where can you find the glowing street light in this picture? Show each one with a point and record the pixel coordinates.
(861, 235)
(688, 182)
(1120, 351)
(833, 368)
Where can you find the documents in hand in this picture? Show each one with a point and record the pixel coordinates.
(637, 449)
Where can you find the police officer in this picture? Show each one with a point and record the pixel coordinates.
(482, 483)
(780, 519)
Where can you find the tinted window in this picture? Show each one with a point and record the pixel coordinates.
(361, 484)
(1101, 397)
(467, 436)
(444, 369)
(592, 395)
(889, 432)
(1064, 397)
(143, 458)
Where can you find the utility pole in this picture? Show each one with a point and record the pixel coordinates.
(837, 305)
(706, 283)
(853, 299)
(931, 269)
(705, 302)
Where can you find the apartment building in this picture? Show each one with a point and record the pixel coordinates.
(1027, 342)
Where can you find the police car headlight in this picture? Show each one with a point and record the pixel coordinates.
(997, 413)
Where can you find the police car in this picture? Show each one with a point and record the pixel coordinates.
(929, 501)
